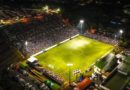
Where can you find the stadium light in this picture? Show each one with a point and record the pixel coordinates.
(121, 31)
(115, 36)
(69, 65)
(26, 43)
(81, 23)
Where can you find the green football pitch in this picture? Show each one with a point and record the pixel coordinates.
(80, 51)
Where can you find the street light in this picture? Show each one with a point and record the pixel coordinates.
(81, 23)
(69, 65)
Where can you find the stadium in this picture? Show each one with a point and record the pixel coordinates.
(68, 59)
(78, 51)
(46, 51)
(55, 52)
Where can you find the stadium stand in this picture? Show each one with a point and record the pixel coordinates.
(101, 38)
(31, 37)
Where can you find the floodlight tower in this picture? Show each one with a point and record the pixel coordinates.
(121, 32)
(69, 65)
(26, 44)
(81, 23)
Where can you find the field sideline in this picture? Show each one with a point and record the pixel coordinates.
(82, 52)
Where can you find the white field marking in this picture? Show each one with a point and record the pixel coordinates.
(51, 47)
(42, 51)
(75, 36)
(69, 38)
(37, 53)
(105, 54)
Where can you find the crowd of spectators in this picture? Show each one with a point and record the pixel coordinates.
(102, 38)
(36, 35)
(50, 74)
(46, 72)
(31, 37)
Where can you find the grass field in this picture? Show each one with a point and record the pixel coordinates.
(82, 52)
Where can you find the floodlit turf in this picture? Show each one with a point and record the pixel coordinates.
(82, 52)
